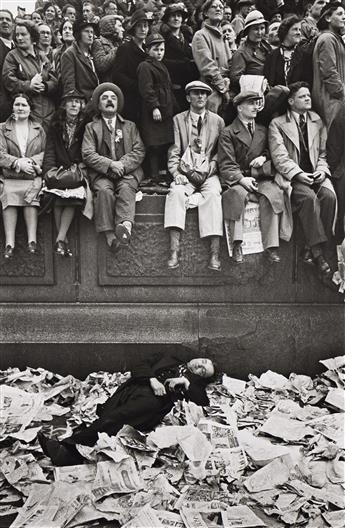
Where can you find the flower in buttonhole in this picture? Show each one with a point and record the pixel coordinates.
(118, 136)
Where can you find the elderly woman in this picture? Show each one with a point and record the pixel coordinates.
(67, 37)
(129, 56)
(63, 149)
(141, 402)
(22, 142)
(178, 56)
(251, 55)
(27, 70)
(78, 72)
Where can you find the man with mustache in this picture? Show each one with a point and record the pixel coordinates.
(113, 152)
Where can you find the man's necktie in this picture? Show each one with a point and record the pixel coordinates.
(112, 138)
(304, 129)
(199, 125)
(251, 129)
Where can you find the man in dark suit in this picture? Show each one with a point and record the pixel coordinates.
(113, 152)
(6, 44)
(245, 172)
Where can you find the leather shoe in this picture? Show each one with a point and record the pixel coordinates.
(307, 256)
(272, 255)
(173, 261)
(122, 234)
(60, 248)
(237, 253)
(214, 262)
(115, 246)
(59, 454)
(9, 252)
(322, 265)
(32, 248)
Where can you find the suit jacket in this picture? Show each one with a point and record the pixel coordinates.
(236, 149)
(214, 124)
(5, 104)
(96, 149)
(10, 151)
(77, 73)
(284, 145)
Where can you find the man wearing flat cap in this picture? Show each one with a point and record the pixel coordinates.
(245, 173)
(192, 162)
(113, 152)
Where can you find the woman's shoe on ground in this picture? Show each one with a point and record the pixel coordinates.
(59, 248)
(32, 247)
(9, 252)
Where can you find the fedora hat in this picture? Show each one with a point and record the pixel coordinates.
(139, 15)
(105, 87)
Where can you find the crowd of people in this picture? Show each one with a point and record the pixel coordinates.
(217, 104)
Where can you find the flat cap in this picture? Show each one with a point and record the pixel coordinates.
(154, 38)
(198, 85)
(247, 95)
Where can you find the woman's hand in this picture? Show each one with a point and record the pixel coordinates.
(157, 387)
(25, 165)
(178, 382)
(156, 114)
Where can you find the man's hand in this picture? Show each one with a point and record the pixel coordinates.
(157, 387)
(36, 83)
(258, 162)
(156, 114)
(319, 177)
(249, 183)
(178, 382)
(213, 168)
(117, 168)
(181, 179)
(305, 177)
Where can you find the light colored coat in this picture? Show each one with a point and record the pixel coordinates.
(329, 75)
(96, 151)
(284, 145)
(214, 125)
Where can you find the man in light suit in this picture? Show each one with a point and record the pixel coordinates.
(196, 133)
(297, 142)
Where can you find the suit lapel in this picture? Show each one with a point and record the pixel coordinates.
(258, 142)
(242, 133)
(85, 61)
(291, 131)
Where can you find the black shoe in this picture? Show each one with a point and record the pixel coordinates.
(9, 252)
(122, 234)
(59, 454)
(307, 256)
(68, 251)
(214, 262)
(115, 246)
(237, 253)
(272, 255)
(59, 248)
(32, 248)
(322, 265)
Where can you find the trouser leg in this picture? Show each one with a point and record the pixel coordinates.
(327, 201)
(269, 224)
(175, 205)
(126, 189)
(104, 203)
(307, 205)
(210, 211)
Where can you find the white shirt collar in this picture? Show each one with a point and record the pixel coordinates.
(195, 117)
(245, 123)
(113, 121)
(296, 115)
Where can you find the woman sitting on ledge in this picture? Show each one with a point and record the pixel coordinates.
(141, 402)
(22, 142)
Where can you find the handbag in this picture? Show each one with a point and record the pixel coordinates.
(60, 178)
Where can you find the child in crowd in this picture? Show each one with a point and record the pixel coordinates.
(157, 105)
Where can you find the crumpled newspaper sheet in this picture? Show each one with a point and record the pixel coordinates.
(267, 452)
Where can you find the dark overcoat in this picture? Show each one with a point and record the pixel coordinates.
(336, 161)
(127, 60)
(5, 102)
(155, 89)
(77, 73)
(236, 150)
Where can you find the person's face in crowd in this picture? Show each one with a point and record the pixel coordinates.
(36, 18)
(316, 8)
(248, 109)
(21, 108)
(73, 106)
(273, 38)
(229, 33)
(276, 18)
(87, 36)
(202, 367)
(50, 14)
(87, 12)
(71, 14)
(6, 24)
(175, 20)
(300, 102)
(246, 9)
(197, 100)
(141, 30)
(227, 13)
(67, 32)
(293, 36)
(215, 12)
(111, 9)
(107, 104)
(58, 11)
(256, 33)
(337, 20)
(23, 38)
(118, 30)
(45, 35)
(157, 51)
